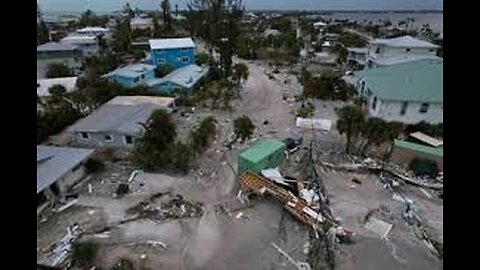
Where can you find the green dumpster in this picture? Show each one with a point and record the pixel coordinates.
(265, 154)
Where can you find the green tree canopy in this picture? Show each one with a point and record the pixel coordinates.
(58, 70)
(351, 121)
(243, 127)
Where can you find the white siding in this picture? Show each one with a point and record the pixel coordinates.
(390, 111)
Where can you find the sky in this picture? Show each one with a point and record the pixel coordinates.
(110, 5)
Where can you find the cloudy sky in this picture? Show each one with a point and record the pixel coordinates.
(109, 5)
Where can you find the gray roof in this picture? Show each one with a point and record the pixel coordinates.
(54, 162)
(186, 76)
(55, 46)
(117, 118)
(171, 43)
(404, 41)
(131, 71)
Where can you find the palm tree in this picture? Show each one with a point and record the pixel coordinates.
(351, 122)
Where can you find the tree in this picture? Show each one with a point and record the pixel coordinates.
(122, 36)
(57, 90)
(58, 70)
(151, 151)
(84, 254)
(42, 30)
(163, 70)
(180, 156)
(202, 135)
(167, 18)
(351, 120)
(243, 127)
(157, 31)
(203, 58)
(238, 75)
(89, 18)
(127, 9)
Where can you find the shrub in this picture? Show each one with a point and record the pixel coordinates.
(84, 254)
(243, 127)
(202, 135)
(93, 165)
(424, 167)
(306, 111)
(57, 70)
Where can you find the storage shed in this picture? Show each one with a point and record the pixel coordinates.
(266, 154)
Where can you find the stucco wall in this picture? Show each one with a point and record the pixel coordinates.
(97, 140)
(390, 111)
(405, 157)
(173, 57)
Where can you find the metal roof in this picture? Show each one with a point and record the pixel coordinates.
(131, 71)
(262, 149)
(426, 139)
(120, 116)
(141, 21)
(434, 151)
(44, 84)
(55, 162)
(420, 81)
(404, 41)
(399, 59)
(186, 76)
(56, 46)
(171, 43)
(83, 39)
(92, 29)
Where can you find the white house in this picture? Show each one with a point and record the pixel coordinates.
(410, 92)
(386, 52)
(88, 44)
(44, 84)
(357, 56)
(141, 23)
(94, 31)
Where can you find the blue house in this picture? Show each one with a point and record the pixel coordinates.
(175, 52)
(183, 80)
(132, 75)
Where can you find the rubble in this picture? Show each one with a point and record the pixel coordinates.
(62, 249)
(170, 207)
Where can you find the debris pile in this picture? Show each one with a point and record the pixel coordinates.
(62, 249)
(162, 206)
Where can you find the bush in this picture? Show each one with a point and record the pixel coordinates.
(57, 89)
(202, 135)
(425, 167)
(243, 127)
(84, 254)
(162, 71)
(58, 70)
(306, 111)
(93, 165)
(180, 156)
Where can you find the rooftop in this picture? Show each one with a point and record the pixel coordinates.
(92, 29)
(131, 71)
(404, 41)
(55, 162)
(141, 21)
(426, 139)
(399, 59)
(55, 46)
(171, 43)
(420, 81)
(358, 50)
(44, 84)
(122, 114)
(262, 149)
(186, 76)
(79, 38)
(435, 151)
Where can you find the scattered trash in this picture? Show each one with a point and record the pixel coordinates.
(274, 175)
(397, 197)
(425, 192)
(320, 124)
(299, 265)
(356, 181)
(265, 122)
(352, 187)
(133, 175)
(66, 206)
(143, 256)
(379, 227)
(64, 246)
(91, 212)
(90, 188)
(239, 215)
(157, 244)
(122, 190)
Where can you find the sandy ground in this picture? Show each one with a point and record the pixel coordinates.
(219, 241)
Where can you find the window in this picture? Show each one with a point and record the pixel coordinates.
(108, 138)
(84, 135)
(184, 59)
(408, 49)
(135, 79)
(424, 108)
(142, 76)
(161, 60)
(128, 139)
(374, 103)
(184, 49)
(431, 50)
(404, 107)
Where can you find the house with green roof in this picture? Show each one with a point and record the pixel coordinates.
(409, 93)
(405, 152)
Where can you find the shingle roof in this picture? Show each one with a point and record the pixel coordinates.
(171, 43)
(435, 151)
(55, 46)
(186, 76)
(404, 41)
(420, 81)
(55, 162)
(131, 71)
(118, 117)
